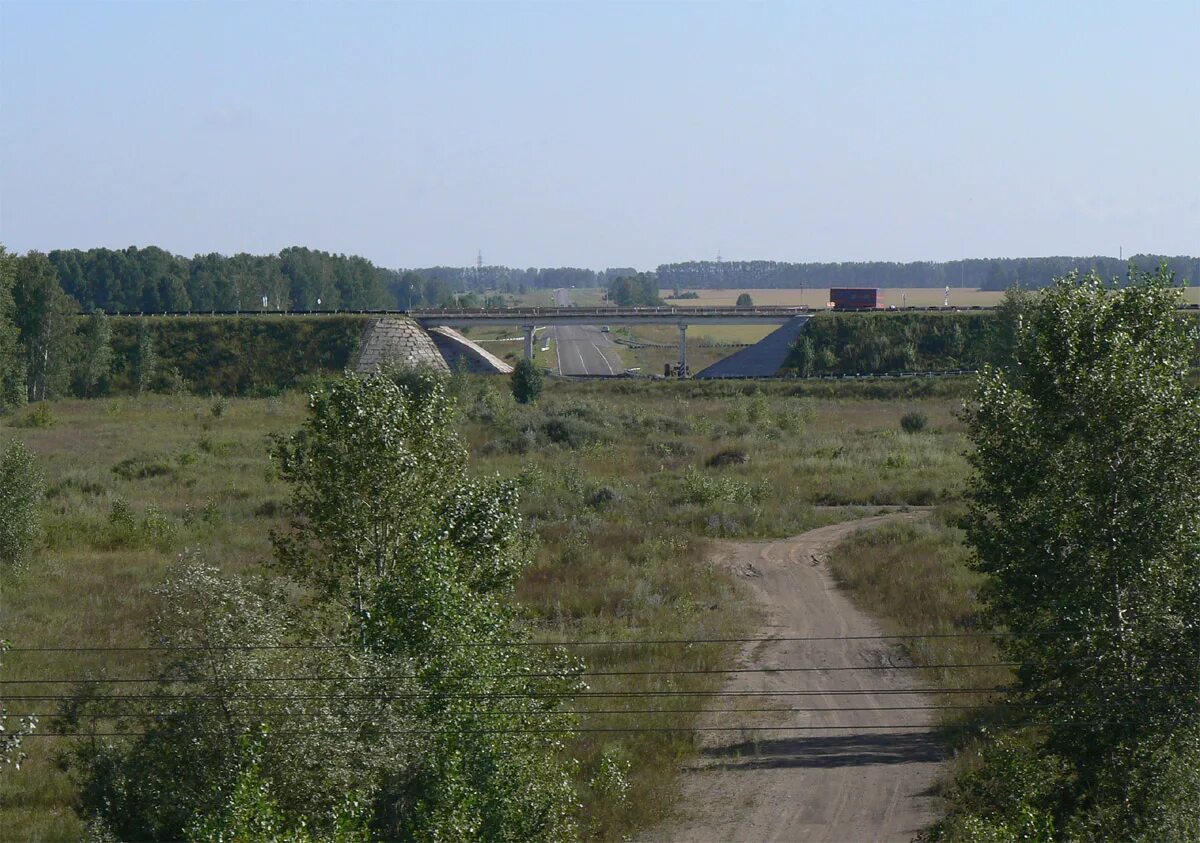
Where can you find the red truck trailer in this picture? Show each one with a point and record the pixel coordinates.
(854, 298)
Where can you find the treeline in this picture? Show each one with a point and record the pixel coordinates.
(982, 273)
(891, 343)
(152, 280)
(639, 290)
(49, 350)
(843, 344)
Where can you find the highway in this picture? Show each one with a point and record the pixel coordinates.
(583, 349)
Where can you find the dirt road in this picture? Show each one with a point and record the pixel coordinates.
(862, 783)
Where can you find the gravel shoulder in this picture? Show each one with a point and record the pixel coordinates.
(858, 783)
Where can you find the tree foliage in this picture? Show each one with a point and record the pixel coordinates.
(44, 317)
(527, 381)
(95, 359)
(12, 366)
(974, 273)
(13, 732)
(20, 494)
(1086, 520)
(145, 359)
(640, 290)
(424, 725)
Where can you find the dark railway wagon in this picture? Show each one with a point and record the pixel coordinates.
(854, 298)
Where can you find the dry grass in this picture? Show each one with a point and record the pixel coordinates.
(622, 513)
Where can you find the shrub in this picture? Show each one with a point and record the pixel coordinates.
(744, 300)
(39, 416)
(527, 381)
(142, 468)
(728, 456)
(913, 422)
(603, 496)
(571, 432)
(20, 491)
(671, 448)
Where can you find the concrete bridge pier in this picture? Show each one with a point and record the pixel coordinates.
(529, 330)
(683, 369)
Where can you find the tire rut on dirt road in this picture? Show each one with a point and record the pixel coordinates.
(858, 783)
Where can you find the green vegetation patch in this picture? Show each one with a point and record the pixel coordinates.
(237, 355)
(836, 344)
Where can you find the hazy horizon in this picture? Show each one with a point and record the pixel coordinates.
(602, 135)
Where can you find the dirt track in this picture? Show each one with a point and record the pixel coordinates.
(861, 783)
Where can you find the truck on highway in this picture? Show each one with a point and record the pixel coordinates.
(853, 298)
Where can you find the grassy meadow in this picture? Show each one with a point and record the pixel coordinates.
(623, 484)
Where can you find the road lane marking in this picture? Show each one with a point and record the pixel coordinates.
(604, 358)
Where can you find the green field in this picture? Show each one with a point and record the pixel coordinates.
(616, 484)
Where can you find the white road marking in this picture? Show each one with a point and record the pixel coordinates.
(604, 358)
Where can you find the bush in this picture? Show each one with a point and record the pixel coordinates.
(39, 416)
(744, 300)
(20, 491)
(527, 381)
(142, 468)
(221, 355)
(913, 422)
(603, 496)
(671, 448)
(571, 432)
(728, 456)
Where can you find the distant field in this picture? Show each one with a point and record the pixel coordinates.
(818, 297)
(651, 360)
(814, 297)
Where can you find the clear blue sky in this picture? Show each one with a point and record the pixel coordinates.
(602, 134)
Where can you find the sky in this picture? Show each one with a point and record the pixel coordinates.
(602, 134)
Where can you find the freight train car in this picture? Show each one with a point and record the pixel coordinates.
(854, 298)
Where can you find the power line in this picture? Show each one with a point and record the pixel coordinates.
(535, 675)
(553, 731)
(920, 727)
(522, 695)
(581, 643)
(582, 712)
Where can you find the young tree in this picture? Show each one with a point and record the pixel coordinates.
(95, 354)
(423, 560)
(145, 360)
(20, 493)
(744, 300)
(12, 366)
(228, 720)
(390, 704)
(527, 381)
(13, 735)
(44, 315)
(1085, 517)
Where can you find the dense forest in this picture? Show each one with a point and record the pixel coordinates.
(980, 273)
(152, 280)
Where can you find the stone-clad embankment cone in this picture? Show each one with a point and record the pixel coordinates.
(396, 340)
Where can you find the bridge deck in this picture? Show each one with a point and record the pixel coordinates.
(610, 315)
